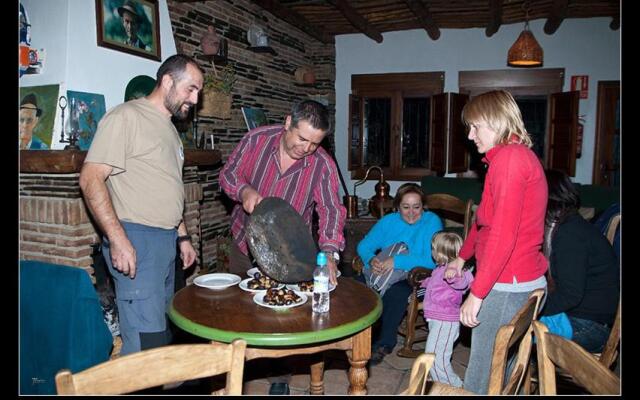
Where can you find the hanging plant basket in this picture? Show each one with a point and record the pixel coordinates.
(216, 104)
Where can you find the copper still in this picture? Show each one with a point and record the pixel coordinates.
(382, 202)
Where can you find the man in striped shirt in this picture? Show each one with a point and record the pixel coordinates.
(286, 162)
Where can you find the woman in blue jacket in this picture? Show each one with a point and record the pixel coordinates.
(414, 227)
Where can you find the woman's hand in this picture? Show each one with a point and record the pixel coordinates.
(380, 267)
(457, 264)
(469, 311)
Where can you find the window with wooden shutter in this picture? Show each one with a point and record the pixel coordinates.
(458, 144)
(390, 124)
(563, 130)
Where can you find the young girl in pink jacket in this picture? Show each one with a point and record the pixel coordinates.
(442, 300)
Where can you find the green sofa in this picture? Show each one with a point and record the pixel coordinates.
(598, 197)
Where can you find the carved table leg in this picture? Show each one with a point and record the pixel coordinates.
(317, 375)
(359, 355)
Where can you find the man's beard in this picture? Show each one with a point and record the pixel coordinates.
(175, 106)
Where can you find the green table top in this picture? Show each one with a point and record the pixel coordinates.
(228, 314)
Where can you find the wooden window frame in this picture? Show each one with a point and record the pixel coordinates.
(395, 86)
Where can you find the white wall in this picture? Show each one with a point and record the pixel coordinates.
(101, 70)
(66, 29)
(580, 46)
(48, 20)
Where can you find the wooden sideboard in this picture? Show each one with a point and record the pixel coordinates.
(354, 231)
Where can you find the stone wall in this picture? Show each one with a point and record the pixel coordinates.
(265, 81)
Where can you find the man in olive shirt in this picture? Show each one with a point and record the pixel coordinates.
(132, 184)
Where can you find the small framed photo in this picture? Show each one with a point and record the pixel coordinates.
(130, 26)
(254, 117)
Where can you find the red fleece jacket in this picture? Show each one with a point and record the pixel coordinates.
(507, 235)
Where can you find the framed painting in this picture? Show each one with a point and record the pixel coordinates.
(130, 26)
(254, 117)
(39, 117)
(85, 111)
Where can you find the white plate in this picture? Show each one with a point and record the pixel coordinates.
(296, 288)
(217, 281)
(243, 285)
(253, 270)
(257, 298)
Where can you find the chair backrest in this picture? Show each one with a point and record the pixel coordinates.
(586, 371)
(419, 374)
(451, 207)
(61, 325)
(612, 226)
(158, 366)
(610, 351)
(517, 332)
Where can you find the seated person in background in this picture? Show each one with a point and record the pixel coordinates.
(603, 223)
(442, 300)
(415, 227)
(584, 273)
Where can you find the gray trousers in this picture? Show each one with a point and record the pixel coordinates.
(442, 337)
(143, 301)
(497, 309)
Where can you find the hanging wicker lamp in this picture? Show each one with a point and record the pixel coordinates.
(526, 51)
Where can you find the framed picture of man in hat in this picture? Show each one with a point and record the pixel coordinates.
(130, 26)
(39, 117)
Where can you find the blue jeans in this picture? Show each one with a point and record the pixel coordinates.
(591, 335)
(394, 306)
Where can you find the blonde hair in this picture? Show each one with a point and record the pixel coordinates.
(499, 110)
(445, 246)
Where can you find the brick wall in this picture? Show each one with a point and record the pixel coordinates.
(54, 222)
(55, 225)
(264, 81)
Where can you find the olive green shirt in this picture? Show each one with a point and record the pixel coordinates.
(144, 149)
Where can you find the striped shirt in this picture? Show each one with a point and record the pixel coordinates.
(311, 182)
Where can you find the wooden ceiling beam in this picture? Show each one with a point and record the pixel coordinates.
(495, 17)
(292, 17)
(557, 14)
(421, 11)
(357, 20)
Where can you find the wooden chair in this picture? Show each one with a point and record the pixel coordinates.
(556, 351)
(419, 374)
(158, 366)
(518, 332)
(606, 358)
(413, 326)
(610, 352)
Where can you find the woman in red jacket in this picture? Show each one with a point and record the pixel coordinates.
(507, 235)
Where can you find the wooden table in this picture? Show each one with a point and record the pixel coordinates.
(224, 315)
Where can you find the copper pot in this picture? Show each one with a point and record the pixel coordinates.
(382, 202)
(351, 204)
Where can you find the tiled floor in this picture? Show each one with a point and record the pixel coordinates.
(389, 377)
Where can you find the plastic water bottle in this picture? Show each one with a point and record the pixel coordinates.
(320, 303)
